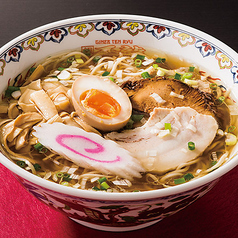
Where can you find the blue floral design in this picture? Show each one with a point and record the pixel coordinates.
(108, 27)
(56, 35)
(234, 71)
(205, 49)
(157, 31)
(13, 54)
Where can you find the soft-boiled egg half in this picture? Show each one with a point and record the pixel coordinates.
(101, 102)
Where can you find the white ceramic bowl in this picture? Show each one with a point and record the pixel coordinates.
(110, 211)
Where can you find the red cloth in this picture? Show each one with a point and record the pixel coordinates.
(214, 215)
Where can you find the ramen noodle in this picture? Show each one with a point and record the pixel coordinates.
(118, 121)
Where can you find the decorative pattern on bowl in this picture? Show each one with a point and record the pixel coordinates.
(109, 28)
(116, 214)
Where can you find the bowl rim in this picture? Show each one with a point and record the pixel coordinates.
(98, 195)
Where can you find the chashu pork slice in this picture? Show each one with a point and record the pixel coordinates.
(160, 149)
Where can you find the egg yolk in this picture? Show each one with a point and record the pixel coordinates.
(100, 104)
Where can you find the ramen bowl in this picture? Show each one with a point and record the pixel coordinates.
(98, 209)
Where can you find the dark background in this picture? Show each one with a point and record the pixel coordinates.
(215, 215)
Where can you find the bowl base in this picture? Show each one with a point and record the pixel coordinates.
(114, 229)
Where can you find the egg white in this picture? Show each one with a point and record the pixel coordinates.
(104, 84)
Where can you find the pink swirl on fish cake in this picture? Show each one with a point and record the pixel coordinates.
(60, 139)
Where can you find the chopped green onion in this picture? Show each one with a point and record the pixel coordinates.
(37, 167)
(138, 63)
(96, 58)
(64, 183)
(87, 52)
(184, 179)
(129, 124)
(179, 181)
(155, 66)
(10, 90)
(79, 61)
(21, 163)
(187, 76)
(191, 69)
(106, 73)
(70, 59)
(101, 180)
(213, 163)
(221, 99)
(177, 76)
(96, 188)
(112, 79)
(160, 60)
(136, 191)
(66, 177)
(231, 128)
(213, 86)
(191, 145)
(188, 176)
(60, 68)
(40, 148)
(136, 117)
(141, 57)
(60, 174)
(167, 126)
(145, 75)
(104, 186)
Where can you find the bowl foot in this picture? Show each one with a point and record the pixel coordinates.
(114, 229)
